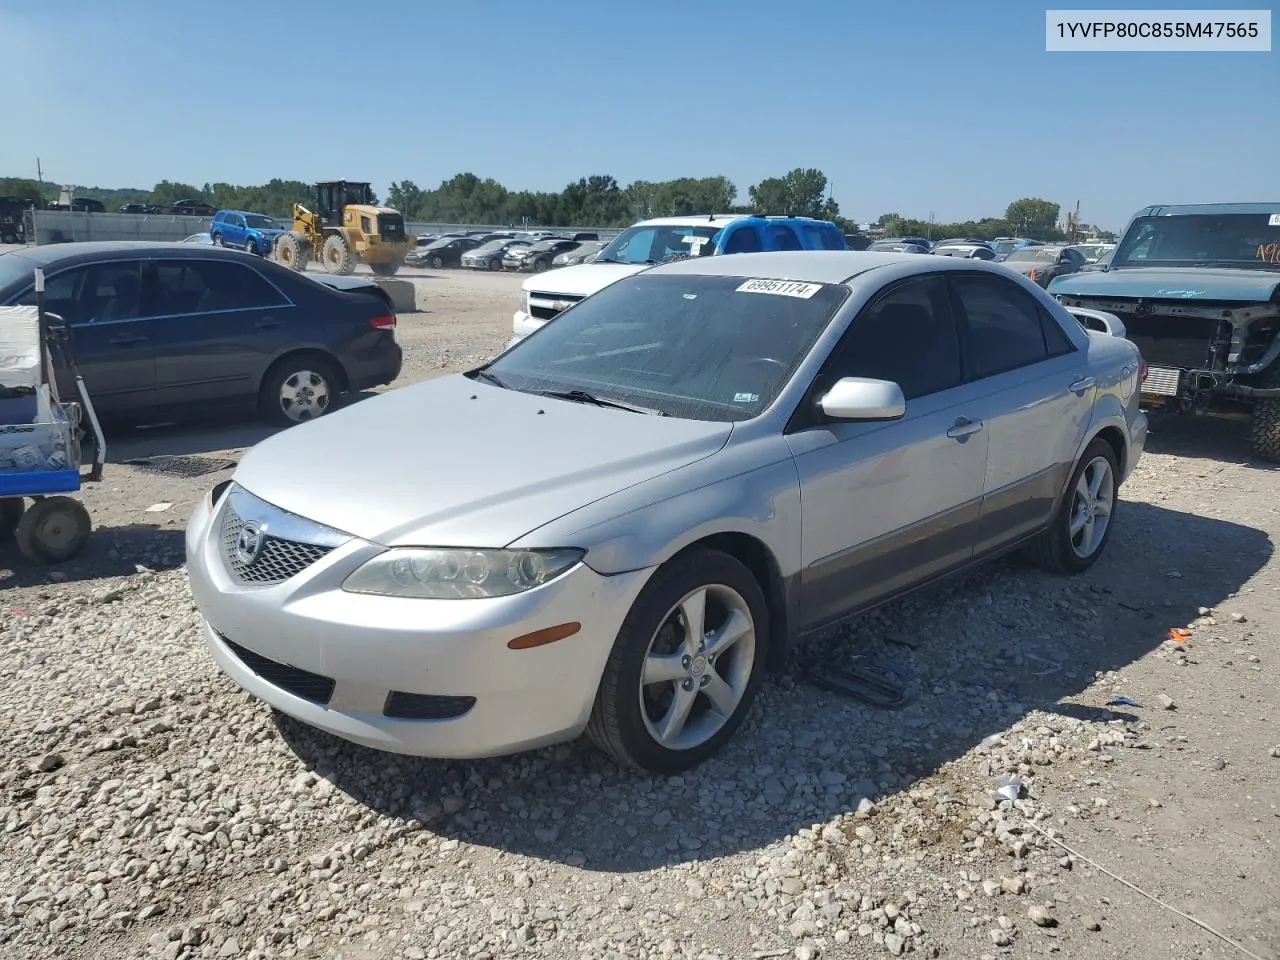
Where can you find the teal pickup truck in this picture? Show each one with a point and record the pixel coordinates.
(1197, 288)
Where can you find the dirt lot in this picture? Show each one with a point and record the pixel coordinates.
(149, 809)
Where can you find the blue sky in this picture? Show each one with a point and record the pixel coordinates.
(912, 107)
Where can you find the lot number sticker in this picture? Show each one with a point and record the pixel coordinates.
(1274, 220)
(781, 288)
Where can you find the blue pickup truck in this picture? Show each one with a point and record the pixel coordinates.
(1198, 289)
(251, 232)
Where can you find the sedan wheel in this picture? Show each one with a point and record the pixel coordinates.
(304, 396)
(686, 665)
(299, 389)
(1078, 533)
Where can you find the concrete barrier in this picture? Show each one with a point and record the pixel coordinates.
(68, 226)
(402, 292)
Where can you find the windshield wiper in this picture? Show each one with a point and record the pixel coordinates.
(581, 396)
(485, 374)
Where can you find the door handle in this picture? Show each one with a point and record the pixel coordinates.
(1081, 385)
(269, 324)
(126, 341)
(963, 427)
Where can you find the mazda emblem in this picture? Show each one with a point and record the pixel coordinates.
(249, 543)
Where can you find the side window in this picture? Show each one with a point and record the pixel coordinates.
(1055, 340)
(908, 335)
(112, 291)
(366, 224)
(743, 239)
(61, 295)
(784, 238)
(1002, 326)
(177, 287)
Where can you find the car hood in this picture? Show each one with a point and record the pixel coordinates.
(582, 280)
(1167, 283)
(452, 462)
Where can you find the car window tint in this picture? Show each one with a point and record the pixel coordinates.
(1056, 341)
(908, 336)
(105, 291)
(178, 287)
(1002, 328)
(784, 238)
(61, 295)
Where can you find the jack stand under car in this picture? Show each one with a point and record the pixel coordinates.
(41, 436)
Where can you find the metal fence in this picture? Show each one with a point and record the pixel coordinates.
(64, 226)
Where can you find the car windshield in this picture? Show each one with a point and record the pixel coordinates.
(1034, 253)
(655, 243)
(1247, 240)
(492, 246)
(257, 221)
(694, 347)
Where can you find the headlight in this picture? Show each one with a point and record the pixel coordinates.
(443, 574)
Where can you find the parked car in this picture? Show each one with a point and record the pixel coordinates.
(1041, 264)
(1197, 287)
(251, 232)
(583, 253)
(172, 327)
(1102, 263)
(80, 205)
(1092, 252)
(1003, 246)
(488, 256)
(971, 250)
(652, 241)
(445, 252)
(191, 208)
(896, 246)
(537, 256)
(649, 501)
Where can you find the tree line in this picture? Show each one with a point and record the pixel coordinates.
(597, 200)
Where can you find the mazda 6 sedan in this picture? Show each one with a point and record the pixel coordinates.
(620, 523)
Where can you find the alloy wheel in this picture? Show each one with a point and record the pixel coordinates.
(304, 396)
(1091, 505)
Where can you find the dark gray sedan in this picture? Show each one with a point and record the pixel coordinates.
(1042, 264)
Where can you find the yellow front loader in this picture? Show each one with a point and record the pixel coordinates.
(345, 229)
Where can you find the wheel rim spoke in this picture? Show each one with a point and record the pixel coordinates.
(693, 610)
(672, 723)
(1095, 483)
(735, 627)
(664, 668)
(1082, 488)
(723, 697)
(1077, 521)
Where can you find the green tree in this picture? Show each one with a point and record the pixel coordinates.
(1032, 216)
(19, 187)
(166, 192)
(800, 193)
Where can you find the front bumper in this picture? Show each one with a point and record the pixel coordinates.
(365, 648)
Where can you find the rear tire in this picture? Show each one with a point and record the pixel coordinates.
(1265, 430)
(687, 665)
(337, 256)
(11, 511)
(291, 252)
(55, 529)
(1069, 544)
(299, 388)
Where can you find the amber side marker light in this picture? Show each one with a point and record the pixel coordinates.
(540, 638)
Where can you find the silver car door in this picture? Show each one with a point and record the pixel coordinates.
(887, 505)
(1036, 401)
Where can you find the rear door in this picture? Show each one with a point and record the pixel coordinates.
(1036, 402)
(217, 325)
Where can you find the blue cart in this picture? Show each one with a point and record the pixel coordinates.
(43, 436)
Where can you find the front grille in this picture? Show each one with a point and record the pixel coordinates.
(391, 227)
(278, 560)
(301, 683)
(425, 706)
(1162, 381)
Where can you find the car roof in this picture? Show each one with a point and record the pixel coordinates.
(807, 266)
(713, 220)
(64, 253)
(1208, 209)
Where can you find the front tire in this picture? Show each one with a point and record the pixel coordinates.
(291, 252)
(338, 258)
(217, 239)
(1081, 527)
(685, 666)
(1265, 430)
(495, 264)
(297, 389)
(385, 269)
(436, 263)
(251, 247)
(55, 529)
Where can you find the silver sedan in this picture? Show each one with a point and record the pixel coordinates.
(619, 524)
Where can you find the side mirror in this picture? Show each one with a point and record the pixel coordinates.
(858, 398)
(57, 327)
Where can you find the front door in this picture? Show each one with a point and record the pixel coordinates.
(888, 505)
(1035, 399)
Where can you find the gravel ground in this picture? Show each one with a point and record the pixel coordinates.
(149, 809)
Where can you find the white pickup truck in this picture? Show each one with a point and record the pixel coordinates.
(654, 241)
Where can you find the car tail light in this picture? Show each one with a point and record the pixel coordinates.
(385, 321)
(1142, 371)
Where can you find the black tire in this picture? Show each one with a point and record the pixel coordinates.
(299, 371)
(217, 239)
(11, 511)
(436, 263)
(618, 725)
(1265, 430)
(337, 256)
(1052, 550)
(55, 529)
(385, 269)
(250, 247)
(539, 265)
(495, 264)
(292, 252)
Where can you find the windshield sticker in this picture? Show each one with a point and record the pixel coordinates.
(1274, 220)
(781, 288)
(1269, 252)
(690, 296)
(694, 240)
(746, 397)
